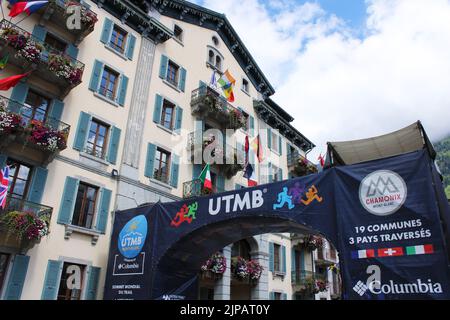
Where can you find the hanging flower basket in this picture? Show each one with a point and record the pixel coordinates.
(254, 269)
(26, 224)
(312, 243)
(321, 286)
(246, 270)
(10, 123)
(303, 168)
(216, 265)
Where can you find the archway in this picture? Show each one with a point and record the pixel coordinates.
(373, 212)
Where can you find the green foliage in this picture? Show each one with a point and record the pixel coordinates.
(443, 161)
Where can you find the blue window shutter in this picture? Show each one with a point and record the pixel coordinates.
(18, 94)
(196, 171)
(202, 86)
(271, 295)
(107, 30)
(220, 183)
(103, 210)
(82, 131)
(122, 90)
(16, 279)
(39, 32)
(150, 162)
(283, 296)
(163, 67)
(269, 138)
(37, 185)
(280, 174)
(280, 145)
(252, 124)
(158, 109)
(174, 171)
(72, 51)
(302, 260)
(270, 172)
(288, 150)
(55, 113)
(283, 259)
(292, 259)
(68, 200)
(52, 278)
(85, 4)
(113, 146)
(96, 75)
(130, 46)
(179, 118)
(271, 257)
(92, 283)
(182, 82)
(3, 159)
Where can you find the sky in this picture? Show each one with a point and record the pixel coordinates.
(351, 69)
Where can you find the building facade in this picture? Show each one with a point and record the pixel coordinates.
(117, 108)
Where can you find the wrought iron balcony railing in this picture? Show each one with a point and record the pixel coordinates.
(302, 277)
(20, 205)
(207, 103)
(26, 51)
(194, 188)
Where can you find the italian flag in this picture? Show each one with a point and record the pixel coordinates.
(205, 177)
(423, 249)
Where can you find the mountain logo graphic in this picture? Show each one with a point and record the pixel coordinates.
(382, 192)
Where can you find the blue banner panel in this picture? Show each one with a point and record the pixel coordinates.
(382, 216)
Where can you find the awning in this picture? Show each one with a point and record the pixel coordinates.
(409, 139)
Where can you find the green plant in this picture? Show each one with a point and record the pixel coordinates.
(26, 224)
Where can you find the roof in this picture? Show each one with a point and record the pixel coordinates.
(408, 139)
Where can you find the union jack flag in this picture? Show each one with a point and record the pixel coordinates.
(4, 184)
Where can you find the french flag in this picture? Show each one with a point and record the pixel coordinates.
(363, 254)
(28, 7)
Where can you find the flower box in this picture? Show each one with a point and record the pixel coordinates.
(214, 267)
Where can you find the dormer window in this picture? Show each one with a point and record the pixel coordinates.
(245, 85)
(215, 59)
(178, 33)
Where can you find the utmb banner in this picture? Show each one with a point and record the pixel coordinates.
(387, 219)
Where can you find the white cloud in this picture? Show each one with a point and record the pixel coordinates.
(340, 87)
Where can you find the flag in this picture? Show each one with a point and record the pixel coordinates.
(28, 7)
(247, 147)
(390, 252)
(363, 254)
(205, 178)
(257, 147)
(4, 184)
(227, 82)
(213, 82)
(322, 160)
(249, 174)
(8, 83)
(423, 249)
(3, 62)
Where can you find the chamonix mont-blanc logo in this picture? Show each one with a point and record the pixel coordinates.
(382, 192)
(132, 237)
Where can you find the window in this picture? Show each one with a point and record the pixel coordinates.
(276, 174)
(97, 137)
(215, 59)
(245, 85)
(118, 39)
(4, 261)
(275, 142)
(277, 257)
(172, 73)
(241, 249)
(19, 179)
(218, 63)
(167, 115)
(215, 40)
(69, 288)
(85, 206)
(277, 296)
(161, 171)
(178, 33)
(39, 106)
(54, 42)
(109, 82)
(211, 57)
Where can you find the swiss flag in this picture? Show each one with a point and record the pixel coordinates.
(390, 252)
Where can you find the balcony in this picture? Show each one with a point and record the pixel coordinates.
(299, 166)
(56, 13)
(325, 257)
(308, 282)
(21, 135)
(208, 104)
(28, 53)
(229, 170)
(23, 224)
(194, 188)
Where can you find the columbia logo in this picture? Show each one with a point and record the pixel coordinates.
(360, 288)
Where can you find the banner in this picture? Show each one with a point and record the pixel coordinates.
(382, 216)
